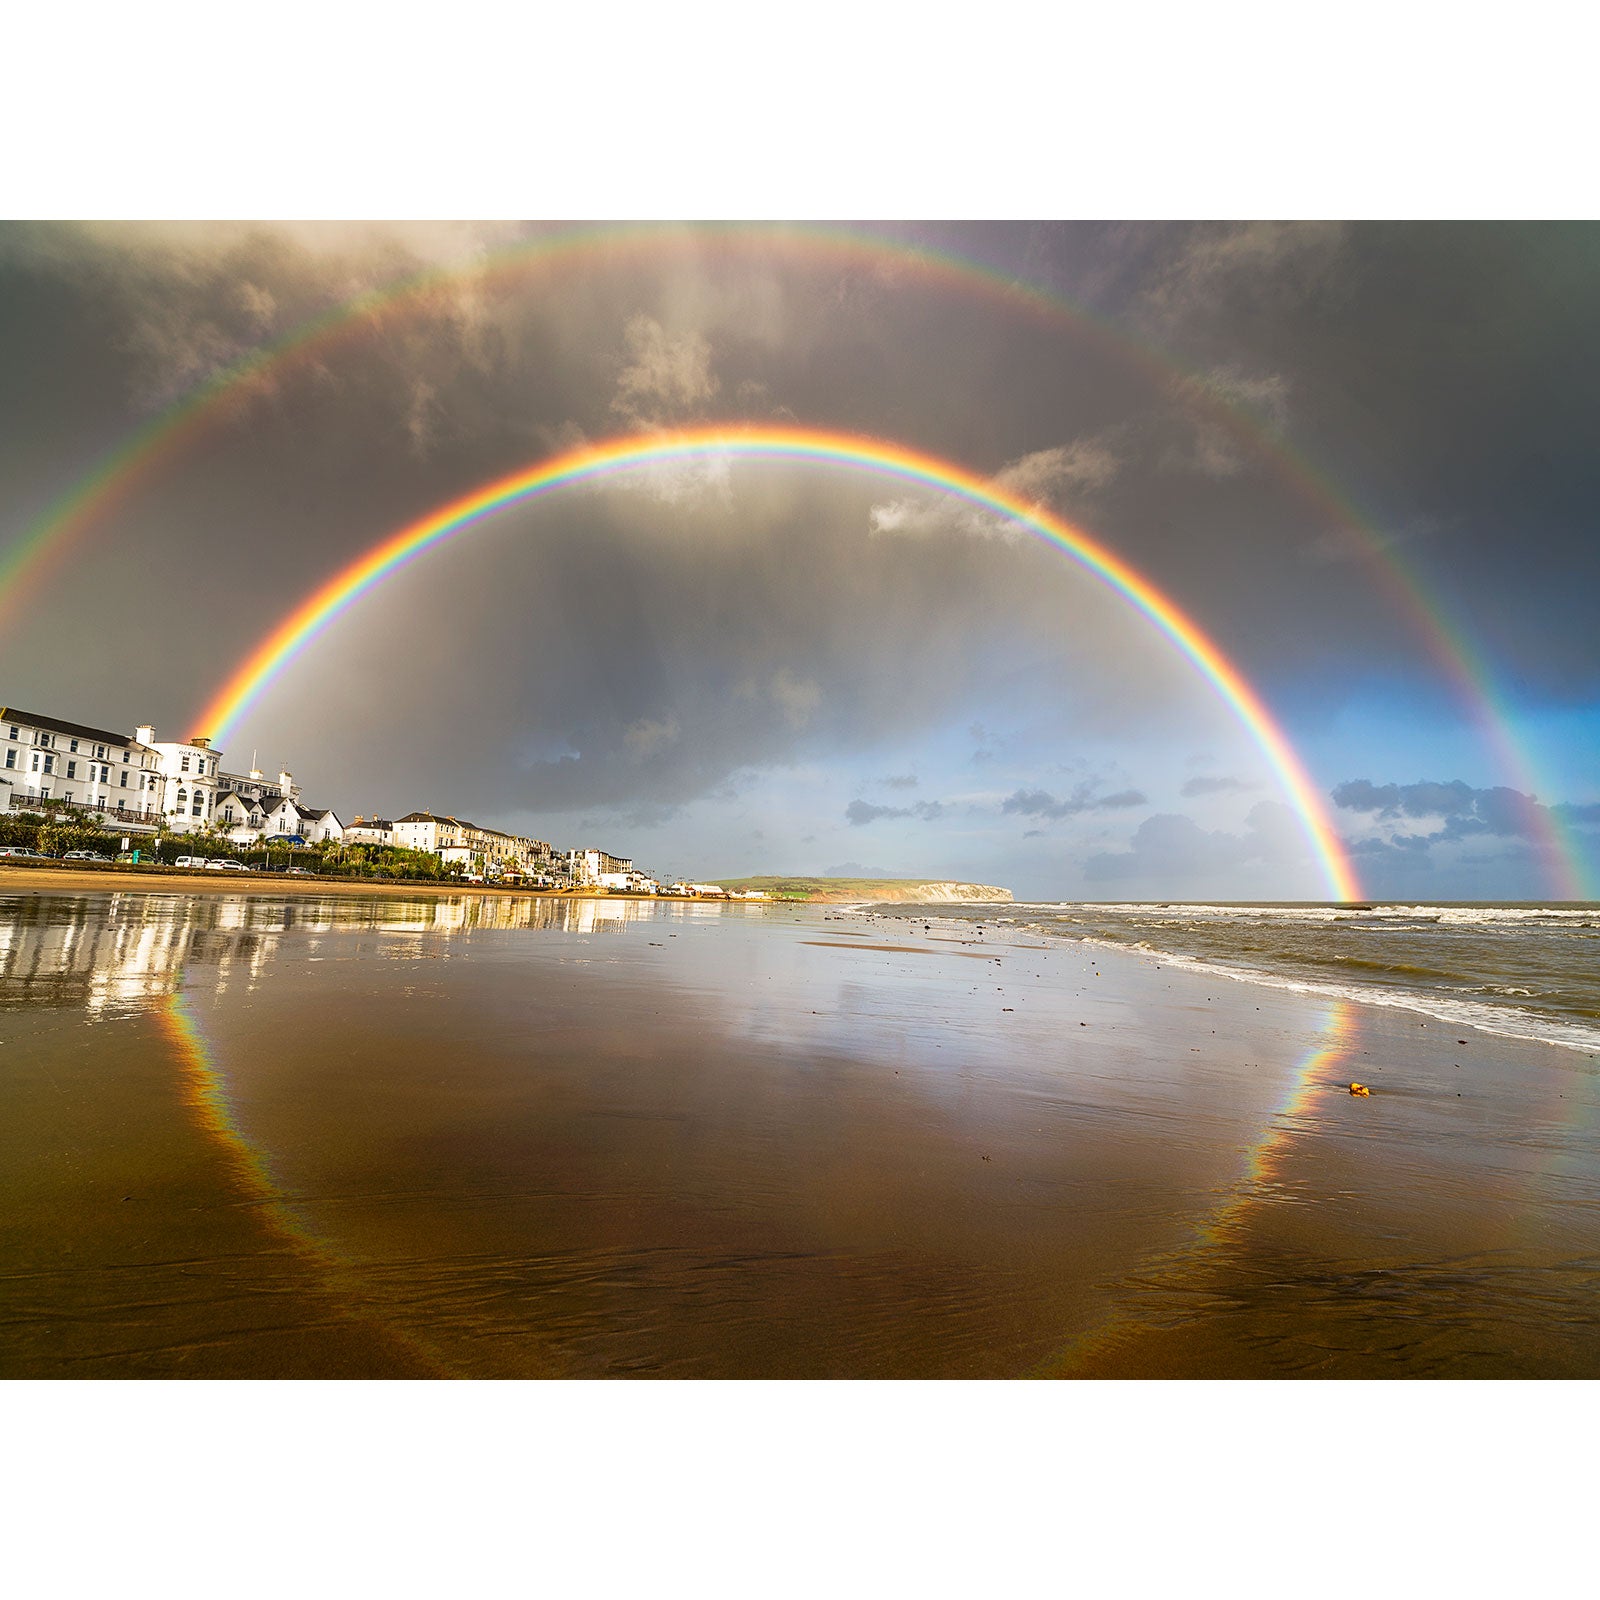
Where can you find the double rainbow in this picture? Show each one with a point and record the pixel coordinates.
(44, 544)
(321, 609)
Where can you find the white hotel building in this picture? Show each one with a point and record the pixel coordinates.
(141, 783)
(45, 758)
(190, 771)
(245, 806)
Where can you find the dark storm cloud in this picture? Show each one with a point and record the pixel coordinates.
(1506, 813)
(1576, 816)
(1040, 803)
(859, 812)
(1505, 839)
(640, 650)
(1202, 785)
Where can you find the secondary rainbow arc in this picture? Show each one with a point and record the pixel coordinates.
(43, 545)
(320, 609)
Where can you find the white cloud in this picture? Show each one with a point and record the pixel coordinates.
(422, 413)
(1040, 477)
(1088, 463)
(1285, 261)
(668, 376)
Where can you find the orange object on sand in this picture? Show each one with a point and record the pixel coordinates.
(1361, 1089)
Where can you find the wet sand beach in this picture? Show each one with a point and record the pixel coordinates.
(268, 1134)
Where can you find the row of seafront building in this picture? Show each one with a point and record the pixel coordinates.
(137, 784)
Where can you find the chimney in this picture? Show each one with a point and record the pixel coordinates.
(201, 741)
(144, 734)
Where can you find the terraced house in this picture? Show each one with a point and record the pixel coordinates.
(466, 844)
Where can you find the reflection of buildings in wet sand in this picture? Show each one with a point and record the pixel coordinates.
(96, 954)
(470, 912)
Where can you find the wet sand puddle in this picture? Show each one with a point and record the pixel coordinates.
(406, 1139)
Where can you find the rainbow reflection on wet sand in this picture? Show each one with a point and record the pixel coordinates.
(422, 1137)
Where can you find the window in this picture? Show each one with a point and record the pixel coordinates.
(73, 746)
(183, 798)
(105, 774)
(185, 764)
(126, 757)
(194, 810)
(15, 730)
(72, 766)
(11, 758)
(35, 760)
(124, 780)
(49, 763)
(100, 751)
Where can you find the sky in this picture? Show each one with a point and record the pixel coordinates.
(1358, 457)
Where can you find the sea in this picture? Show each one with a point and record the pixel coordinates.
(1527, 971)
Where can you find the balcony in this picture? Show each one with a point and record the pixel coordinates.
(96, 808)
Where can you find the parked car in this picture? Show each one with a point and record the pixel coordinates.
(190, 861)
(225, 866)
(285, 838)
(84, 855)
(300, 872)
(31, 855)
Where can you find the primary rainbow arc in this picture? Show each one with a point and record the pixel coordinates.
(398, 549)
(44, 544)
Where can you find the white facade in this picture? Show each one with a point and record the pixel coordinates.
(588, 866)
(630, 882)
(313, 824)
(256, 785)
(47, 759)
(369, 830)
(501, 852)
(191, 780)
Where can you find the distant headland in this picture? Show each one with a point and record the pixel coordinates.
(834, 890)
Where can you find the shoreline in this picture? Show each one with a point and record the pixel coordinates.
(1568, 1030)
(850, 1143)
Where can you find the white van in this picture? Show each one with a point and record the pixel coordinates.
(190, 861)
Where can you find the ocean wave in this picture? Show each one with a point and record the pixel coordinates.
(1377, 914)
(1508, 1021)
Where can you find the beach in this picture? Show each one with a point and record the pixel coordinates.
(278, 1131)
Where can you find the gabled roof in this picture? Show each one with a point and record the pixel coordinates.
(444, 822)
(77, 729)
